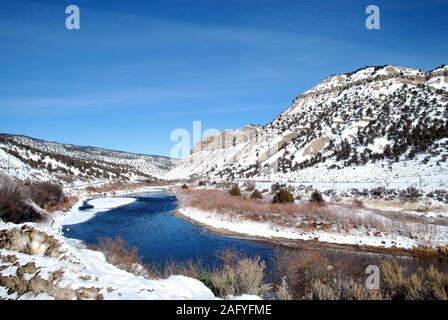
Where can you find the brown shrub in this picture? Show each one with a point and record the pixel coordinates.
(256, 195)
(341, 289)
(300, 270)
(283, 196)
(235, 191)
(240, 275)
(398, 284)
(292, 214)
(13, 204)
(316, 196)
(116, 252)
(357, 204)
(46, 193)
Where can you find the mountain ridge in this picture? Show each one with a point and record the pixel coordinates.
(4, 134)
(312, 127)
(28, 158)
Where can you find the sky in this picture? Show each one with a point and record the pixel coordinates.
(137, 70)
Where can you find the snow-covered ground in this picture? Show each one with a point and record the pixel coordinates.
(76, 216)
(84, 268)
(109, 200)
(436, 237)
(78, 268)
(76, 272)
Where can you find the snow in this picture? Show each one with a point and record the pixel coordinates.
(76, 216)
(378, 145)
(133, 166)
(84, 268)
(344, 101)
(269, 231)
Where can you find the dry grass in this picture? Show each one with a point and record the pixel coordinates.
(126, 258)
(64, 205)
(116, 252)
(308, 275)
(240, 275)
(424, 284)
(441, 252)
(303, 215)
(341, 289)
(189, 268)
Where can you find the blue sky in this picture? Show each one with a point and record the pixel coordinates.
(136, 70)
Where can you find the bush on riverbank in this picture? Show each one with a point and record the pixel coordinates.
(309, 275)
(123, 257)
(256, 195)
(15, 205)
(316, 197)
(116, 252)
(300, 215)
(283, 196)
(235, 191)
(238, 275)
(297, 275)
(46, 193)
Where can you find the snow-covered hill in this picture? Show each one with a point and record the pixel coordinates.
(33, 159)
(374, 124)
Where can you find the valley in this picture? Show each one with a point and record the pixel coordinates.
(355, 170)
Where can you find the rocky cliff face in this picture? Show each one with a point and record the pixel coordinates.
(360, 125)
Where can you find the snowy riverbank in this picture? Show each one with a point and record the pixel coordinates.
(38, 262)
(108, 201)
(267, 230)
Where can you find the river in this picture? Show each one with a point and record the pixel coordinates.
(160, 236)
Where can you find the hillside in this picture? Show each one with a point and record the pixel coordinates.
(382, 123)
(33, 159)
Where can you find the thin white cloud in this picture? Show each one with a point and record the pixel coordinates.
(140, 96)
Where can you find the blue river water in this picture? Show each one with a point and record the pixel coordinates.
(150, 225)
(160, 236)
